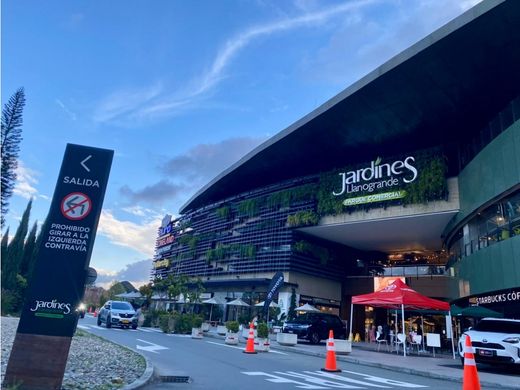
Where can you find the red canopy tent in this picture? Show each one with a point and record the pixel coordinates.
(398, 295)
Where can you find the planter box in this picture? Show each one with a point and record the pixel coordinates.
(231, 338)
(277, 329)
(343, 347)
(221, 330)
(196, 333)
(205, 327)
(286, 339)
(245, 333)
(262, 345)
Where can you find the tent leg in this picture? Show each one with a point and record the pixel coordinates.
(452, 336)
(404, 331)
(351, 314)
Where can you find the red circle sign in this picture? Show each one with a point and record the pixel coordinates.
(76, 206)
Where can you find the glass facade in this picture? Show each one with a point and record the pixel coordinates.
(497, 222)
(251, 233)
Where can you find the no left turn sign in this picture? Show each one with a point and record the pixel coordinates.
(76, 206)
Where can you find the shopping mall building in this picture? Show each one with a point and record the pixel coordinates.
(411, 172)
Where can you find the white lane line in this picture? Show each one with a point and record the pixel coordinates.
(83, 327)
(241, 348)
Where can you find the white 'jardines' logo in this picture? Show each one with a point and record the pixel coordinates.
(362, 179)
(51, 306)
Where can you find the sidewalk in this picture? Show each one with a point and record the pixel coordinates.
(442, 366)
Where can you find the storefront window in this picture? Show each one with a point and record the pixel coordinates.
(498, 222)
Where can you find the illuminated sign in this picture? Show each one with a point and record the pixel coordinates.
(377, 176)
(165, 241)
(161, 264)
(375, 198)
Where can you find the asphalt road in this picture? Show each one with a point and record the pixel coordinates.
(211, 364)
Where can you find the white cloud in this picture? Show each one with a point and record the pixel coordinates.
(139, 237)
(140, 211)
(137, 273)
(71, 114)
(125, 102)
(149, 103)
(26, 179)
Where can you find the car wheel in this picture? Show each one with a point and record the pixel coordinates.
(109, 322)
(134, 326)
(99, 321)
(82, 315)
(314, 338)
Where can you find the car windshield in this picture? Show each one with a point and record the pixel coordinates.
(304, 318)
(498, 326)
(121, 306)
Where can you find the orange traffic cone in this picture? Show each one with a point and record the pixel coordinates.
(250, 346)
(330, 362)
(470, 380)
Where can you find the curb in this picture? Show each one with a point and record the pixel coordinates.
(144, 379)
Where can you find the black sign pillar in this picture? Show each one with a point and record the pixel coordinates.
(41, 347)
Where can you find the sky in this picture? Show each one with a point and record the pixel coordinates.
(180, 90)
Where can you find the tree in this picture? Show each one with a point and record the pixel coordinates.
(10, 146)
(28, 259)
(15, 252)
(291, 314)
(3, 253)
(146, 291)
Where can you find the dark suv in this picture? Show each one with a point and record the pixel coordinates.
(315, 327)
(117, 313)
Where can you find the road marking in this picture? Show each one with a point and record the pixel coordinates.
(150, 348)
(150, 330)
(91, 327)
(241, 348)
(324, 380)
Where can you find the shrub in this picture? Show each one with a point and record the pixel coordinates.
(232, 326)
(184, 322)
(164, 323)
(262, 330)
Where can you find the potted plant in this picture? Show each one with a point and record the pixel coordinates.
(196, 327)
(232, 332)
(262, 343)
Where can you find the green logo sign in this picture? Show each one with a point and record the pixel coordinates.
(375, 198)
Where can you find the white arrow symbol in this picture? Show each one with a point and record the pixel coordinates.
(151, 348)
(83, 163)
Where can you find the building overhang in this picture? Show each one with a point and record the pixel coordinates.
(408, 234)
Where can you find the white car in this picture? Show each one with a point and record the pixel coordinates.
(494, 341)
(117, 313)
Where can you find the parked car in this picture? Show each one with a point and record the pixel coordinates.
(315, 326)
(117, 313)
(81, 310)
(494, 341)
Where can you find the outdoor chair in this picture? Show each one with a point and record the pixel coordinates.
(380, 339)
(400, 340)
(417, 342)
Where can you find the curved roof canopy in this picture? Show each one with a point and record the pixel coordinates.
(440, 91)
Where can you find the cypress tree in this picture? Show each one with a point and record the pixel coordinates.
(15, 252)
(27, 263)
(3, 253)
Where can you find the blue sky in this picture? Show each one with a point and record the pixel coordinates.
(180, 90)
